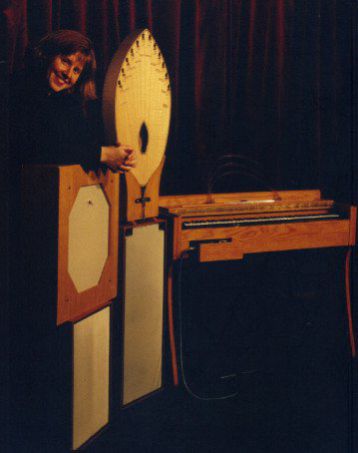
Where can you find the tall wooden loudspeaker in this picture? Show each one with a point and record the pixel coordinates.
(136, 110)
(71, 251)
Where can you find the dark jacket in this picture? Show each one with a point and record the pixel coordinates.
(53, 128)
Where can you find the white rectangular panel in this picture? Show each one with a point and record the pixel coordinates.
(90, 376)
(143, 312)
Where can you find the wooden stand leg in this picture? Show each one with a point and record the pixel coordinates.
(171, 327)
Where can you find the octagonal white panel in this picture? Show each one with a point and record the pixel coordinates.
(88, 237)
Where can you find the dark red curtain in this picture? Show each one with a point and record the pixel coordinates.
(268, 82)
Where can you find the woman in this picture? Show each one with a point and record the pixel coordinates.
(55, 115)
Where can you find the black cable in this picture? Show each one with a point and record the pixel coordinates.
(181, 354)
(238, 164)
(237, 171)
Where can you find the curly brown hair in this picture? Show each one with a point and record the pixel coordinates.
(67, 42)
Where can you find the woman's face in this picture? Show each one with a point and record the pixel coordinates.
(64, 71)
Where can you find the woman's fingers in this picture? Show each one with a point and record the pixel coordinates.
(119, 158)
(125, 168)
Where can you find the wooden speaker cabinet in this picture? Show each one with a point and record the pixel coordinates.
(70, 248)
(71, 222)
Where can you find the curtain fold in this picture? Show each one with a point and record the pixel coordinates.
(265, 81)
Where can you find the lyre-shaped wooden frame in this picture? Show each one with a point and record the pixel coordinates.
(136, 111)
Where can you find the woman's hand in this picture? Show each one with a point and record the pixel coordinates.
(120, 158)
